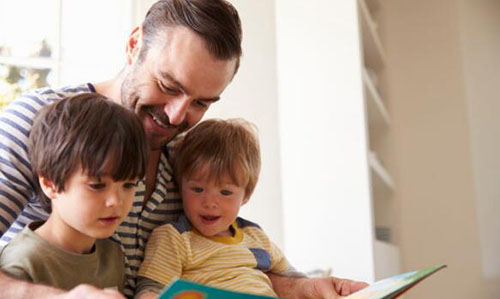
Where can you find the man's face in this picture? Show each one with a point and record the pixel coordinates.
(173, 86)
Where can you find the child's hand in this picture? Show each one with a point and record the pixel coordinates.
(87, 291)
(329, 287)
(147, 295)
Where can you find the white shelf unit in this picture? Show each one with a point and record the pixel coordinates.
(377, 112)
(373, 5)
(386, 260)
(374, 54)
(382, 182)
(378, 121)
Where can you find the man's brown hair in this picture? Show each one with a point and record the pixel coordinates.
(216, 21)
(226, 146)
(88, 131)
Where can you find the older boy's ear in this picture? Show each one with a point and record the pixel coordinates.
(48, 187)
(134, 44)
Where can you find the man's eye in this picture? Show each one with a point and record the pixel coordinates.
(97, 186)
(226, 192)
(201, 104)
(166, 89)
(197, 189)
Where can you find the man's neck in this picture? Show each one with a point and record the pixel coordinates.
(151, 170)
(111, 88)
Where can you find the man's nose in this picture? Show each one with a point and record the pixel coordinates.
(177, 110)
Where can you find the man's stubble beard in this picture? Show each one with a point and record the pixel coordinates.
(131, 96)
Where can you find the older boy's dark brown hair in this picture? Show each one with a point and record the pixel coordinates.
(216, 21)
(87, 131)
(226, 147)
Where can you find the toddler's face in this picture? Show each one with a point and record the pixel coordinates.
(211, 208)
(93, 207)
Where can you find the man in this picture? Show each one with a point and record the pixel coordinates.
(178, 62)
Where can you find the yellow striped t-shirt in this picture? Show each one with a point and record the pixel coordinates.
(237, 263)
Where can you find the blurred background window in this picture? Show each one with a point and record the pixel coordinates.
(29, 46)
(62, 42)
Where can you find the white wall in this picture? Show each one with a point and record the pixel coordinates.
(435, 168)
(328, 220)
(480, 42)
(94, 34)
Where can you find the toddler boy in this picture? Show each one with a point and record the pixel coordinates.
(216, 166)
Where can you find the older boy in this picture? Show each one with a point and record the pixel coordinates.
(87, 155)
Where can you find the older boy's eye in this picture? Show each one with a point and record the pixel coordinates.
(197, 189)
(130, 185)
(226, 192)
(97, 186)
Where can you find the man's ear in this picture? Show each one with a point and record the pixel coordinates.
(48, 187)
(134, 44)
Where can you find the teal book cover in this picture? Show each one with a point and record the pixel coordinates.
(183, 289)
(388, 288)
(394, 286)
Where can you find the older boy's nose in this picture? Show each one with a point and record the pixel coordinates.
(114, 198)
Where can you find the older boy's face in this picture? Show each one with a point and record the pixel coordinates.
(92, 208)
(172, 88)
(211, 208)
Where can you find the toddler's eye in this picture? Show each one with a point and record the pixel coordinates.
(226, 192)
(197, 189)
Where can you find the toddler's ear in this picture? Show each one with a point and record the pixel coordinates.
(48, 187)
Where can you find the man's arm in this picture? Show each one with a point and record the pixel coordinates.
(147, 288)
(288, 287)
(13, 288)
(16, 182)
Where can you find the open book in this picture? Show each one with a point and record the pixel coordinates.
(384, 289)
(394, 286)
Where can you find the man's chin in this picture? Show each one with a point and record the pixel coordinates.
(158, 143)
(155, 145)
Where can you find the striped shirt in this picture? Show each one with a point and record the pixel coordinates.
(237, 263)
(19, 206)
